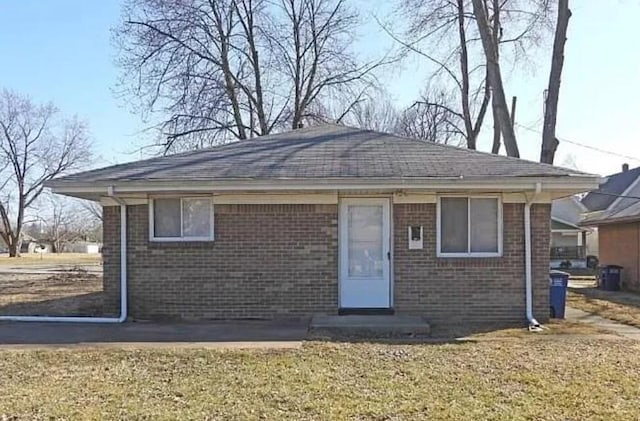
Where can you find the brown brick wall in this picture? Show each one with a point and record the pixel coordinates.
(266, 261)
(619, 244)
(281, 261)
(459, 290)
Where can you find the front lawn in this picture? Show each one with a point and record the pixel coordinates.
(532, 378)
(621, 306)
(27, 259)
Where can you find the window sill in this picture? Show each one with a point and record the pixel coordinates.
(182, 244)
(468, 255)
(181, 240)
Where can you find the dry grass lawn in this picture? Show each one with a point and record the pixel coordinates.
(50, 258)
(572, 379)
(620, 306)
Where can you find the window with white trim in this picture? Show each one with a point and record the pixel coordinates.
(469, 226)
(181, 219)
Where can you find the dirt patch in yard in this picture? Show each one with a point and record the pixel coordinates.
(621, 306)
(57, 291)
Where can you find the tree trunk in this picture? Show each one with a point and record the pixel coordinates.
(495, 148)
(549, 141)
(464, 72)
(495, 79)
(13, 250)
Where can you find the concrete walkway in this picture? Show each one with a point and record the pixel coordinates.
(575, 315)
(223, 334)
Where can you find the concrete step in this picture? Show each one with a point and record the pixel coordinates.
(376, 326)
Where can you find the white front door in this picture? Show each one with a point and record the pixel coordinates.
(364, 253)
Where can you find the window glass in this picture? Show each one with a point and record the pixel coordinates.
(166, 218)
(453, 225)
(484, 225)
(196, 215)
(365, 241)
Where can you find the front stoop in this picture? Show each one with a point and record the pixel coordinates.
(375, 326)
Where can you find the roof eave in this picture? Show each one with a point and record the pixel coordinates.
(566, 184)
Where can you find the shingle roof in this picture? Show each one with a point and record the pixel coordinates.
(616, 184)
(624, 207)
(619, 214)
(328, 151)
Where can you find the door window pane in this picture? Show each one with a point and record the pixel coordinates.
(453, 225)
(166, 218)
(365, 239)
(484, 225)
(196, 214)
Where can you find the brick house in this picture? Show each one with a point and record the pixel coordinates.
(328, 220)
(614, 209)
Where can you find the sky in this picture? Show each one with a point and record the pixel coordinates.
(61, 51)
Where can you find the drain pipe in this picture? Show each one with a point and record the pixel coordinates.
(533, 323)
(123, 282)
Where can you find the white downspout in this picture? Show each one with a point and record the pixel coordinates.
(123, 282)
(533, 323)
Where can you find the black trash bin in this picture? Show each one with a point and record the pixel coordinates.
(558, 282)
(610, 277)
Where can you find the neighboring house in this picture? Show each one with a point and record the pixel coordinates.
(614, 209)
(570, 243)
(32, 245)
(29, 245)
(87, 247)
(329, 220)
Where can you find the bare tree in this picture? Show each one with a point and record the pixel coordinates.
(494, 77)
(92, 209)
(377, 114)
(35, 146)
(427, 120)
(549, 141)
(234, 69)
(66, 221)
(445, 33)
(442, 24)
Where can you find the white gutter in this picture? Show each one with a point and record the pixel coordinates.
(569, 184)
(123, 284)
(533, 323)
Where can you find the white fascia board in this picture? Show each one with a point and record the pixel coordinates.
(566, 185)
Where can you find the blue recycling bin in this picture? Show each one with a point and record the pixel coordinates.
(558, 282)
(610, 277)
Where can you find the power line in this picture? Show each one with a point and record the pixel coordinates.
(593, 148)
(615, 195)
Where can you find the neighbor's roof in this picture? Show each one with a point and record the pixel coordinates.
(558, 225)
(625, 207)
(615, 185)
(320, 152)
(630, 213)
(568, 209)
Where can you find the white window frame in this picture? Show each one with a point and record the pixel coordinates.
(182, 238)
(439, 252)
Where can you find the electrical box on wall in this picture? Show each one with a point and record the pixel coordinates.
(415, 237)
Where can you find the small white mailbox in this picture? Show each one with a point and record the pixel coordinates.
(415, 237)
